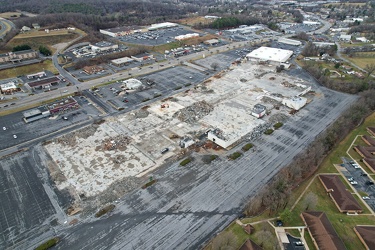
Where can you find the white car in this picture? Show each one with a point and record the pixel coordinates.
(365, 197)
(15, 136)
(353, 182)
(351, 179)
(4, 128)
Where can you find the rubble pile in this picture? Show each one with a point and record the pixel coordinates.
(141, 113)
(259, 130)
(193, 112)
(119, 142)
(66, 140)
(270, 100)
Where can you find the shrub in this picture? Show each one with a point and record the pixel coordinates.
(268, 131)
(234, 156)
(48, 244)
(247, 147)
(105, 210)
(278, 125)
(149, 184)
(207, 159)
(185, 162)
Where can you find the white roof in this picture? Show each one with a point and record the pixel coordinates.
(132, 83)
(7, 86)
(270, 54)
(122, 60)
(163, 25)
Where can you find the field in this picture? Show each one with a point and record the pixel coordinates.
(191, 21)
(10, 15)
(342, 223)
(28, 69)
(361, 59)
(36, 38)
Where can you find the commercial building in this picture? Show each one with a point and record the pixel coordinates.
(258, 111)
(103, 46)
(323, 44)
(142, 57)
(18, 56)
(44, 83)
(132, 83)
(62, 105)
(321, 230)
(165, 25)
(120, 31)
(35, 114)
(271, 55)
(310, 23)
(122, 61)
(296, 102)
(211, 42)
(8, 88)
(187, 36)
(346, 38)
(92, 69)
(289, 41)
(36, 75)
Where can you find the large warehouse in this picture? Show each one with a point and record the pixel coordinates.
(271, 55)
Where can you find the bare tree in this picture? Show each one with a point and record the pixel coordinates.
(310, 201)
(214, 66)
(370, 68)
(225, 241)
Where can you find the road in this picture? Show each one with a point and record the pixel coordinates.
(6, 26)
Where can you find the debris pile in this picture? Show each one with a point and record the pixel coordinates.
(194, 112)
(141, 113)
(270, 100)
(119, 142)
(259, 130)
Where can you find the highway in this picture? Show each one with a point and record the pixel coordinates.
(6, 26)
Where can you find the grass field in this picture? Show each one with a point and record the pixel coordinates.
(35, 41)
(361, 59)
(28, 69)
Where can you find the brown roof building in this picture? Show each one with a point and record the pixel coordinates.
(365, 152)
(92, 69)
(249, 245)
(342, 198)
(370, 163)
(369, 140)
(47, 82)
(367, 235)
(321, 230)
(371, 130)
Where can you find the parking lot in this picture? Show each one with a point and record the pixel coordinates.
(15, 125)
(157, 37)
(25, 205)
(359, 180)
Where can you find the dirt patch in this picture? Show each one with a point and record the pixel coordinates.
(119, 142)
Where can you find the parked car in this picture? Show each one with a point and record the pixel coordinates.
(350, 179)
(15, 136)
(353, 182)
(4, 128)
(365, 197)
(165, 150)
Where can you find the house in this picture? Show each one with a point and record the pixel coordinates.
(365, 152)
(36, 26)
(367, 235)
(343, 199)
(25, 29)
(371, 130)
(321, 230)
(370, 163)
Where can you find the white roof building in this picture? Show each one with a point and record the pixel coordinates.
(289, 41)
(345, 37)
(187, 36)
(9, 86)
(310, 23)
(103, 46)
(270, 54)
(132, 83)
(165, 25)
(122, 60)
(295, 103)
